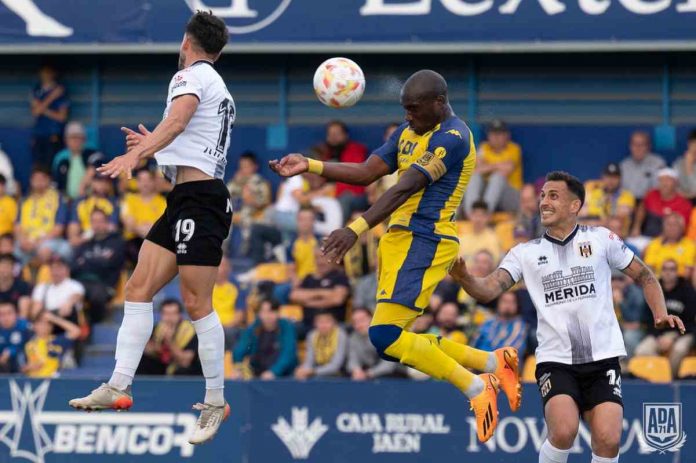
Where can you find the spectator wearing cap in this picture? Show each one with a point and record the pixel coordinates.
(660, 202)
(8, 208)
(339, 147)
(70, 165)
(672, 244)
(498, 176)
(49, 107)
(98, 263)
(100, 196)
(14, 289)
(62, 295)
(638, 170)
(42, 219)
(686, 167)
(606, 198)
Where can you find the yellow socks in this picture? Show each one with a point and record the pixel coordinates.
(464, 355)
(421, 353)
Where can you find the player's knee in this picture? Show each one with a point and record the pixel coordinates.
(562, 436)
(606, 441)
(136, 290)
(197, 305)
(383, 336)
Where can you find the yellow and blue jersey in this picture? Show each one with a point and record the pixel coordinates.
(38, 214)
(81, 211)
(447, 156)
(421, 244)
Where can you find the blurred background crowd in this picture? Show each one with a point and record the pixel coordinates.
(70, 237)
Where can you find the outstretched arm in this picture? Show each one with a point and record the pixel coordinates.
(355, 173)
(483, 289)
(341, 240)
(652, 291)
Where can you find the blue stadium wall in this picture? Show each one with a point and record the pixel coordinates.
(318, 422)
(568, 111)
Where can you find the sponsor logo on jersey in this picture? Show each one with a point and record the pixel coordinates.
(560, 288)
(585, 249)
(181, 248)
(425, 159)
(30, 432)
(542, 260)
(662, 427)
(455, 132)
(179, 84)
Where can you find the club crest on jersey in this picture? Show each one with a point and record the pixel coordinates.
(585, 249)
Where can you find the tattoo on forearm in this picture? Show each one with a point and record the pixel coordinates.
(503, 279)
(642, 273)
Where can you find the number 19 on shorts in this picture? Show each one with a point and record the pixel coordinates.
(184, 232)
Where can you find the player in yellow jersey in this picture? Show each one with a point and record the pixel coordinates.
(434, 155)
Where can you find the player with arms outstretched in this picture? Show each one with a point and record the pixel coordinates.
(191, 145)
(435, 156)
(568, 275)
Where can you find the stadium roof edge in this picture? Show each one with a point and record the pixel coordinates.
(361, 47)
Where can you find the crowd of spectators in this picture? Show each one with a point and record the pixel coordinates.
(68, 244)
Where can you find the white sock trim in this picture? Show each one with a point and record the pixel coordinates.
(550, 454)
(206, 323)
(598, 459)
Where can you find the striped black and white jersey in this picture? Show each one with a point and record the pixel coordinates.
(204, 142)
(569, 282)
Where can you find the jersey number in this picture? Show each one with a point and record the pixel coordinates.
(187, 227)
(226, 110)
(613, 379)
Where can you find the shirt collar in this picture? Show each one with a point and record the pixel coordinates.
(563, 242)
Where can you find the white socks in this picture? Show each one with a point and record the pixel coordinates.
(211, 351)
(596, 459)
(550, 454)
(475, 388)
(133, 334)
(491, 363)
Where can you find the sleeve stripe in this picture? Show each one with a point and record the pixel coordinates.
(423, 171)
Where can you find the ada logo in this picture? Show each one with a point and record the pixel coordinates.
(30, 432)
(662, 427)
(300, 436)
(240, 10)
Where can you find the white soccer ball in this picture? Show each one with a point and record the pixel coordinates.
(339, 82)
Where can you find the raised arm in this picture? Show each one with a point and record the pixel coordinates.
(652, 291)
(355, 173)
(483, 289)
(341, 240)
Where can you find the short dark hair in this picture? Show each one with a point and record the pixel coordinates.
(573, 183)
(361, 309)
(692, 136)
(137, 171)
(325, 312)
(250, 156)
(480, 204)
(3, 180)
(41, 169)
(8, 257)
(98, 210)
(338, 123)
(172, 301)
(11, 303)
(208, 31)
(7, 236)
(275, 304)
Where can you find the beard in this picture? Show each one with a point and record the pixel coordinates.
(182, 60)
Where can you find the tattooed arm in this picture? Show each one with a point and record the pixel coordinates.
(652, 291)
(483, 289)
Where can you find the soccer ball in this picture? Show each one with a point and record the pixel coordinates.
(339, 82)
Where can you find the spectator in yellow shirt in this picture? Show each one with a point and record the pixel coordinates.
(481, 237)
(45, 350)
(42, 219)
(139, 211)
(100, 197)
(497, 178)
(606, 198)
(8, 208)
(301, 251)
(672, 245)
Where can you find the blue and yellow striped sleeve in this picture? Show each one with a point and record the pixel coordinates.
(446, 149)
(389, 150)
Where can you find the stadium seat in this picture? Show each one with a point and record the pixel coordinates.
(504, 232)
(292, 311)
(687, 369)
(528, 370)
(275, 272)
(653, 368)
